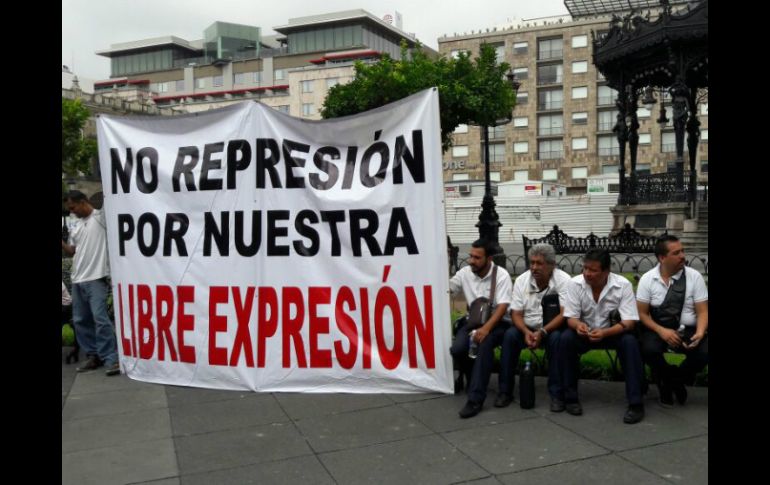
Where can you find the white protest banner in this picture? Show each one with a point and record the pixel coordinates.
(253, 250)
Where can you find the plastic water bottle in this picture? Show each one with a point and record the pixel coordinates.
(527, 387)
(473, 347)
(680, 332)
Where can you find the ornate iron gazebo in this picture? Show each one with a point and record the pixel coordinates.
(639, 55)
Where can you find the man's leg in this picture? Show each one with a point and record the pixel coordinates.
(482, 368)
(569, 349)
(513, 342)
(652, 347)
(696, 360)
(82, 321)
(106, 345)
(459, 351)
(630, 358)
(555, 385)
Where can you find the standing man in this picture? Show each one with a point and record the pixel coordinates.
(88, 244)
(671, 297)
(542, 287)
(591, 298)
(475, 281)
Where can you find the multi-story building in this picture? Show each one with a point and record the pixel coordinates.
(561, 129)
(291, 71)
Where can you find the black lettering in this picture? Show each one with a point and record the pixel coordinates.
(185, 168)
(145, 186)
(212, 231)
(350, 166)
(308, 232)
(267, 164)
(293, 182)
(414, 162)
(176, 235)
(274, 232)
(329, 169)
(234, 162)
(399, 218)
(125, 231)
(357, 233)
(333, 217)
(209, 164)
(380, 148)
(148, 218)
(240, 233)
(123, 173)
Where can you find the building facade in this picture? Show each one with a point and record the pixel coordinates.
(291, 71)
(561, 129)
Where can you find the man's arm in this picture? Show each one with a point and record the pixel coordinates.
(572, 309)
(666, 334)
(702, 313)
(628, 313)
(68, 249)
(483, 331)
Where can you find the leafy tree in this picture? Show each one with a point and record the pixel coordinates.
(76, 149)
(470, 91)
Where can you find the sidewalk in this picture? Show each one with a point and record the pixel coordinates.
(119, 431)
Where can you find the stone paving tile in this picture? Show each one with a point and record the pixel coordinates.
(248, 410)
(601, 469)
(183, 396)
(114, 430)
(683, 461)
(307, 405)
(126, 463)
(305, 469)
(114, 402)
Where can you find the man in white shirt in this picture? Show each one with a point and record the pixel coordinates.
(542, 280)
(88, 244)
(591, 299)
(475, 281)
(673, 307)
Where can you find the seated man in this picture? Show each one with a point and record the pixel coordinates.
(475, 281)
(532, 326)
(670, 297)
(591, 298)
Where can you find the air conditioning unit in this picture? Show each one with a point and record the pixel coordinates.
(464, 189)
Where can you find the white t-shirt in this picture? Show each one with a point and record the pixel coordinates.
(473, 287)
(617, 294)
(90, 240)
(528, 297)
(652, 289)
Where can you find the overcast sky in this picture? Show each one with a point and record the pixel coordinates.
(92, 25)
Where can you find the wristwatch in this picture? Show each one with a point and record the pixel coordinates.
(544, 331)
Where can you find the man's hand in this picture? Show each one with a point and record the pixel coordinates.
(480, 335)
(582, 329)
(694, 341)
(533, 339)
(596, 335)
(671, 337)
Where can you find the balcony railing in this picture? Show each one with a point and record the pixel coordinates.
(668, 147)
(550, 105)
(549, 131)
(550, 155)
(656, 188)
(549, 80)
(606, 125)
(605, 100)
(546, 54)
(609, 152)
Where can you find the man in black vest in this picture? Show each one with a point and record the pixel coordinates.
(673, 307)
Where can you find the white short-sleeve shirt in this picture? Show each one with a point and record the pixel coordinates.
(652, 289)
(473, 287)
(527, 297)
(90, 240)
(617, 294)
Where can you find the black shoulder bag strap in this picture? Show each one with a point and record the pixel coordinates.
(669, 312)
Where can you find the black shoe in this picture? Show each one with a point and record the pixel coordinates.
(113, 370)
(574, 408)
(470, 409)
(666, 398)
(634, 414)
(680, 391)
(92, 363)
(503, 400)
(557, 405)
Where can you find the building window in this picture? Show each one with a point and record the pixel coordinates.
(499, 53)
(580, 143)
(522, 97)
(161, 87)
(521, 147)
(520, 122)
(550, 99)
(579, 67)
(550, 74)
(605, 96)
(612, 169)
(279, 74)
(645, 139)
(458, 177)
(521, 73)
(643, 113)
(608, 146)
(461, 128)
(521, 175)
(551, 174)
(306, 86)
(284, 108)
(331, 82)
(494, 176)
(704, 135)
(456, 53)
(579, 172)
(550, 125)
(579, 41)
(179, 87)
(307, 109)
(496, 152)
(200, 83)
(580, 118)
(580, 92)
(550, 149)
(218, 81)
(606, 120)
(460, 151)
(520, 47)
(643, 168)
(496, 132)
(668, 142)
(240, 78)
(704, 166)
(549, 49)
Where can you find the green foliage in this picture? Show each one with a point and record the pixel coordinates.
(76, 150)
(470, 91)
(67, 335)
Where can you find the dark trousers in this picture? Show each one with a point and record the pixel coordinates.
(513, 344)
(481, 366)
(571, 346)
(653, 348)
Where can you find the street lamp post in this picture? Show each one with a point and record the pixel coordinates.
(489, 222)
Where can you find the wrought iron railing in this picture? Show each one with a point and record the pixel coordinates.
(655, 188)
